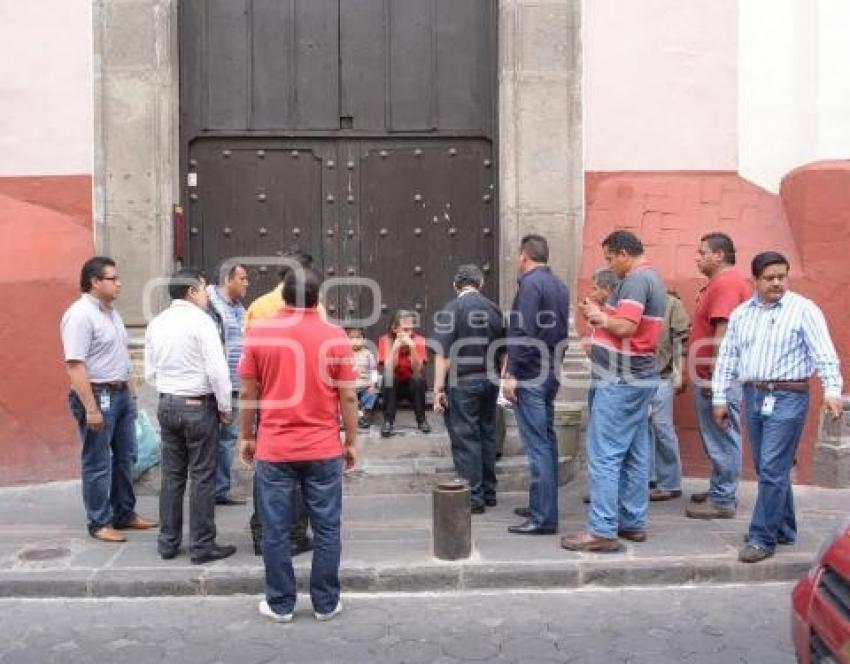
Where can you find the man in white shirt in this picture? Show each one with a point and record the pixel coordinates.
(185, 360)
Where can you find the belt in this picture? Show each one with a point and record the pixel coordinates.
(781, 385)
(114, 386)
(183, 397)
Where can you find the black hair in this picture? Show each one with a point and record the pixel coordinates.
(765, 259)
(535, 247)
(468, 275)
(232, 271)
(623, 241)
(182, 281)
(720, 242)
(605, 278)
(300, 257)
(400, 315)
(301, 288)
(93, 269)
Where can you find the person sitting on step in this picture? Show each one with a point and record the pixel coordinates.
(402, 356)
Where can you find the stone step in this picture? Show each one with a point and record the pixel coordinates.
(416, 476)
(400, 476)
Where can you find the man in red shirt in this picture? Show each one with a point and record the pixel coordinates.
(300, 371)
(402, 355)
(726, 289)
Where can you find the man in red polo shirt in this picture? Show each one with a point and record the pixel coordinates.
(300, 371)
(402, 355)
(725, 290)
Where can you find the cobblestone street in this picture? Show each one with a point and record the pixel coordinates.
(728, 624)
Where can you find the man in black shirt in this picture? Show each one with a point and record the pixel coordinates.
(466, 382)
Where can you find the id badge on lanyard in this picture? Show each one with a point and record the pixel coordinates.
(104, 401)
(767, 405)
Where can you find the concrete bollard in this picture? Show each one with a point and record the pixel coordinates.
(452, 520)
(831, 460)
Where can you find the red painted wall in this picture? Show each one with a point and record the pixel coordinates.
(809, 222)
(45, 236)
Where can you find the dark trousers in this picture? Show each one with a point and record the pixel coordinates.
(189, 429)
(395, 390)
(107, 458)
(298, 531)
(321, 486)
(471, 423)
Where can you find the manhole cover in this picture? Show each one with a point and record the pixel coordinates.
(44, 554)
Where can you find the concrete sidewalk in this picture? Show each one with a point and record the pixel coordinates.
(45, 551)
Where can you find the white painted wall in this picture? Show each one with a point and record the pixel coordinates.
(794, 102)
(833, 79)
(46, 105)
(660, 84)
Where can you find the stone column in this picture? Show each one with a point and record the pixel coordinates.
(540, 133)
(136, 140)
(831, 461)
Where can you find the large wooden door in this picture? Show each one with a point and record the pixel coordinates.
(358, 130)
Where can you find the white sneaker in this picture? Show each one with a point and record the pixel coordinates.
(323, 617)
(266, 610)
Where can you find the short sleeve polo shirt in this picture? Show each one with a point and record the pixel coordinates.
(96, 336)
(299, 362)
(640, 297)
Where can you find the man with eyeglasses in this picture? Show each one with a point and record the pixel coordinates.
(103, 402)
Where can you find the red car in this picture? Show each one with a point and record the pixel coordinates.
(820, 612)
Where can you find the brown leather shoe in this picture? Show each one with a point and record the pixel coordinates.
(660, 495)
(699, 497)
(108, 534)
(632, 535)
(139, 523)
(591, 543)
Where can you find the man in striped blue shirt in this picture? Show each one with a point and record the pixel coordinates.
(226, 301)
(775, 341)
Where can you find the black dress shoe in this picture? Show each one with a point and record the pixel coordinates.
(477, 509)
(227, 500)
(424, 427)
(524, 512)
(386, 429)
(169, 555)
(529, 528)
(491, 501)
(217, 552)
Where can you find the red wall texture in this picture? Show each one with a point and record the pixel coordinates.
(45, 236)
(809, 222)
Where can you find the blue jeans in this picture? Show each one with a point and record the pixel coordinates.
(618, 458)
(665, 461)
(227, 437)
(774, 440)
(722, 446)
(535, 415)
(107, 459)
(471, 423)
(321, 485)
(368, 400)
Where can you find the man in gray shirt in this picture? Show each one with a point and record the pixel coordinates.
(102, 401)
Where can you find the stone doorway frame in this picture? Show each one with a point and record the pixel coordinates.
(136, 158)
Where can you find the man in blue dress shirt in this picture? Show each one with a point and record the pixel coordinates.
(775, 341)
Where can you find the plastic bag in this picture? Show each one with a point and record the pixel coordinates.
(148, 451)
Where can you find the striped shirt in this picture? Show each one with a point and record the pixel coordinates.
(233, 318)
(785, 341)
(640, 297)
